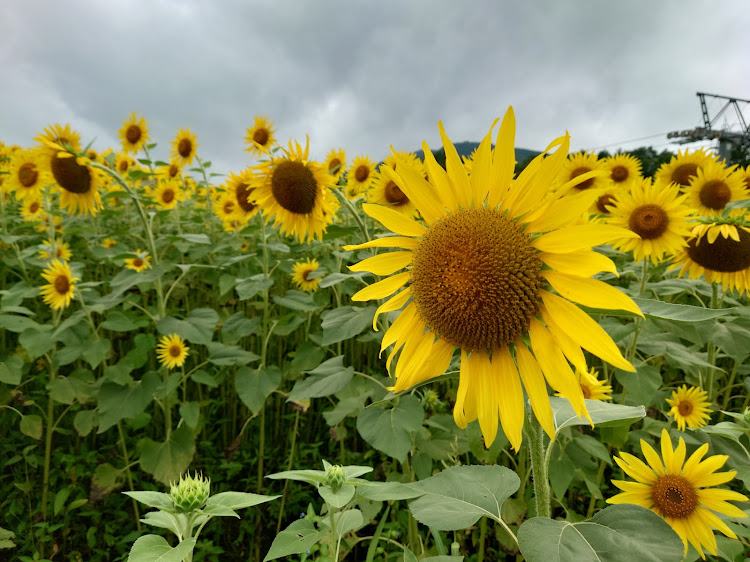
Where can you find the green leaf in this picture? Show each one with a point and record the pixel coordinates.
(390, 429)
(190, 412)
(118, 321)
(6, 538)
(106, 479)
(602, 413)
(619, 533)
(84, 421)
(345, 322)
(163, 520)
(31, 425)
(286, 324)
(17, 324)
(295, 539)
(153, 548)
(76, 386)
(158, 500)
(314, 477)
(248, 288)
(387, 491)
(641, 386)
(36, 342)
(337, 499)
(167, 460)
(307, 357)
(346, 521)
(227, 355)
(96, 352)
(116, 402)
(194, 238)
(254, 386)
(203, 377)
(239, 326)
(238, 500)
(297, 300)
(11, 370)
(197, 327)
(60, 498)
(326, 379)
(679, 312)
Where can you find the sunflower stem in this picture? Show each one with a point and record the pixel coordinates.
(350, 207)
(539, 467)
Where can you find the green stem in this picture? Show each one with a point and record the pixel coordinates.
(711, 373)
(350, 207)
(288, 467)
(539, 467)
(482, 537)
(130, 475)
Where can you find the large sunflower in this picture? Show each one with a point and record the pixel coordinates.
(657, 213)
(59, 292)
(718, 252)
(713, 187)
(479, 278)
(683, 167)
(690, 406)
(27, 174)
(184, 146)
(172, 351)
(259, 136)
(623, 169)
(681, 492)
(239, 186)
(359, 177)
(335, 163)
(582, 163)
(78, 183)
(296, 193)
(134, 133)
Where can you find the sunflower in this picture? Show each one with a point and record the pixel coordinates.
(32, 209)
(623, 169)
(385, 191)
(713, 187)
(335, 163)
(124, 162)
(169, 171)
(720, 252)
(225, 206)
(139, 263)
(581, 163)
(27, 174)
(683, 167)
(59, 292)
(478, 280)
(109, 243)
(134, 133)
(184, 146)
(259, 136)
(680, 491)
(592, 387)
(239, 185)
(690, 406)
(167, 194)
(359, 176)
(296, 193)
(302, 271)
(56, 136)
(657, 213)
(58, 249)
(77, 182)
(172, 351)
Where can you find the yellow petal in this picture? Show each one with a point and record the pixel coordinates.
(383, 288)
(485, 395)
(538, 188)
(653, 459)
(465, 410)
(582, 263)
(510, 396)
(394, 303)
(563, 212)
(636, 468)
(384, 264)
(393, 220)
(480, 170)
(533, 382)
(417, 189)
(579, 237)
(503, 160)
(426, 360)
(387, 242)
(404, 324)
(591, 292)
(456, 170)
(570, 349)
(439, 179)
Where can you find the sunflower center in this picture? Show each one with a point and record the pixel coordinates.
(261, 136)
(715, 194)
(27, 175)
(173, 170)
(476, 279)
(649, 221)
(586, 391)
(685, 408)
(674, 496)
(138, 262)
(34, 207)
(334, 165)
(603, 201)
(619, 174)
(167, 196)
(70, 175)
(242, 191)
(62, 285)
(305, 274)
(123, 166)
(684, 173)
(724, 255)
(185, 148)
(579, 172)
(175, 351)
(294, 187)
(394, 195)
(362, 173)
(229, 207)
(133, 134)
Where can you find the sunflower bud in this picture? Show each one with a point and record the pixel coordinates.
(335, 477)
(190, 493)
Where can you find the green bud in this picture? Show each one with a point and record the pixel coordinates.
(335, 477)
(190, 493)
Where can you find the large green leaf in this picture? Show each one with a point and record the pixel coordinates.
(238, 500)
(223, 354)
(602, 413)
(197, 327)
(326, 379)
(345, 322)
(167, 460)
(153, 548)
(390, 429)
(297, 300)
(679, 312)
(11, 369)
(619, 533)
(31, 425)
(253, 386)
(248, 288)
(116, 402)
(641, 386)
(458, 496)
(295, 539)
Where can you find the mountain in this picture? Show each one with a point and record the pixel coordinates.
(465, 148)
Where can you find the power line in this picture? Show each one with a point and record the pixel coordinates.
(628, 141)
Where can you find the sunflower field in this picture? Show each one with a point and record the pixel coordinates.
(435, 358)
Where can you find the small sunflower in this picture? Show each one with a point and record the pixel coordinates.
(335, 163)
(719, 252)
(27, 174)
(713, 187)
(59, 292)
(657, 213)
(259, 136)
(359, 176)
(302, 271)
(167, 194)
(681, 492)
(690, 406)
(385, 191)
(623, 169)
(240, 186)
(481, 274)
(32, 209)
(581, 163)
(55, 249)
(172, 351)
(225, 206)
(134, 133)
(184, 146)
(683, 167)
(141, 262)
(124, 163)
(296, 193)
(109, 243)
(170, 171)
(592, 387)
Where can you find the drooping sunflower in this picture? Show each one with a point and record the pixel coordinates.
(683, 167)
(302, 271)
(172, 351)
(720, 252)
(184, 146)
(55, 249)
(581, 163)
(240, 186)
(681, 491)
(59, 292)
(32, 209)
(259, 136)
(56, 136)
(690, 406)
(713, 186)
(296, 193)
(359, 176)
(335, 163)
(27, 174)
(658, 214)
(134, 133)
(623, 169)
(479, 277)
(77, 182)
(140, 262)
(167, 194)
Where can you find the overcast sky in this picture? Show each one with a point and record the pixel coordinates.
(366, 75)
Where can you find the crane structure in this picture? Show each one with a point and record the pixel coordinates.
(734, 132)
